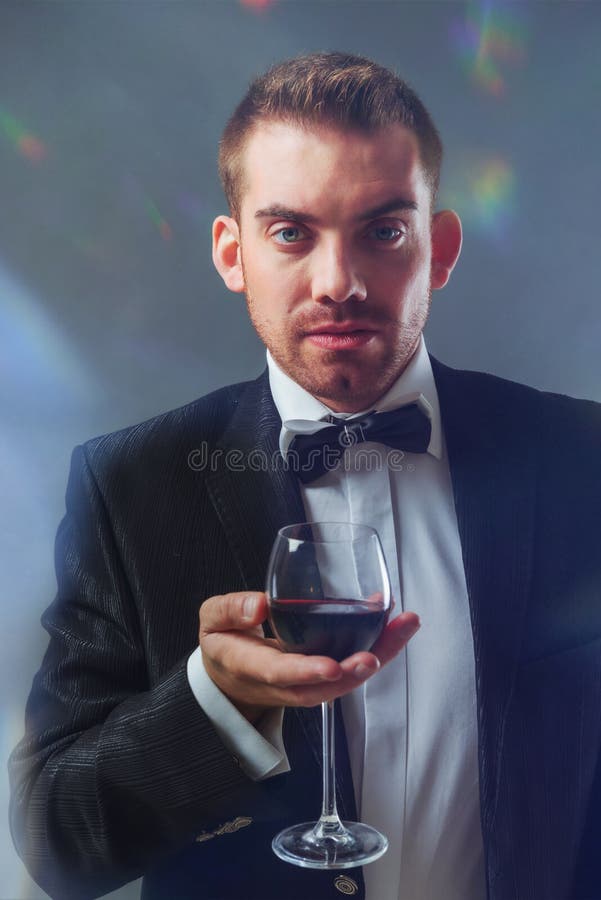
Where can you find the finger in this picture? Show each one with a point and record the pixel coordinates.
(395, 636)
(231, 612)
(360, 666)
(274, 678)
(356, 670)
(250, 658)
(311, 694)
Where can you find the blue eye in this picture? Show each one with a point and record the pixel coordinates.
(289, 235)
(386, 233)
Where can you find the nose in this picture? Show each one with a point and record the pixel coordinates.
(335, 276)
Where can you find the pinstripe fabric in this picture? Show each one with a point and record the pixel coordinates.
(527, 493)
(120, 770)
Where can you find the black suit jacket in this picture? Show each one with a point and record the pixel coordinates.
(120, 772)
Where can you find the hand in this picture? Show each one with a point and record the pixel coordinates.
(255, 674)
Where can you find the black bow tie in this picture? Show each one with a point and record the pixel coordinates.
(311, 455)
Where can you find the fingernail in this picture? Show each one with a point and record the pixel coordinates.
(415, 629)
(249, 606)
(324, 676)
(363, 671)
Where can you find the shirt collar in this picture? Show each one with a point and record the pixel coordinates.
(293, 402)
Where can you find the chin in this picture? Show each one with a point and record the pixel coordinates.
(343, 394)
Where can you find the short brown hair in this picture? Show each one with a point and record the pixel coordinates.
(327, 89)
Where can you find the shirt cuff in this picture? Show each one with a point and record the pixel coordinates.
(260, 748)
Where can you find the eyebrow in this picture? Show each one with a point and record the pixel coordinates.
(278, 211)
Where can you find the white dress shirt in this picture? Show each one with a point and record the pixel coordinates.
(411, 729)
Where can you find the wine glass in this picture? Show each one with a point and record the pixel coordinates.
(328, 591)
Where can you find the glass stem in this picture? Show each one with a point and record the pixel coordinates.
(329, 822)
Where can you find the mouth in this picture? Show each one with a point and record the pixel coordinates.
(341, 335)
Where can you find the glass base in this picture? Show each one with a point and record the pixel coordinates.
(312, 847)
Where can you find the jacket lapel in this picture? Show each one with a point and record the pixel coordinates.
(254, 497)
(251, 492)
(493, 471)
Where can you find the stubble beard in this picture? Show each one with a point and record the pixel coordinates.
(342, 387)
(350, 387)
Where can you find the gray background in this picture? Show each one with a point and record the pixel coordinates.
(110, 310)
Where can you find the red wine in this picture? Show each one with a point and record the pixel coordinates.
(329, 627)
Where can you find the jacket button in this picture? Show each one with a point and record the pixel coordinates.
(346, 885)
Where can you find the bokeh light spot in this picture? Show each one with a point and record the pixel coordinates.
(26, 143)
(484, 195)
(487, 41)
(155, 216)
(493, 188)
(31, 147)
(258, 5)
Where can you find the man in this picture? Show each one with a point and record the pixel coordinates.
(476, 748)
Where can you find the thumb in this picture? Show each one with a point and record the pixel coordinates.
(233, 612)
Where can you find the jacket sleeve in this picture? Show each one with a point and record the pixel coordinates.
(115, 770)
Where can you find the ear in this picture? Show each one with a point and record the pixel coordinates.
(446, 246)
(226, 252)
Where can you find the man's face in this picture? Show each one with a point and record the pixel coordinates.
(334, 254)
